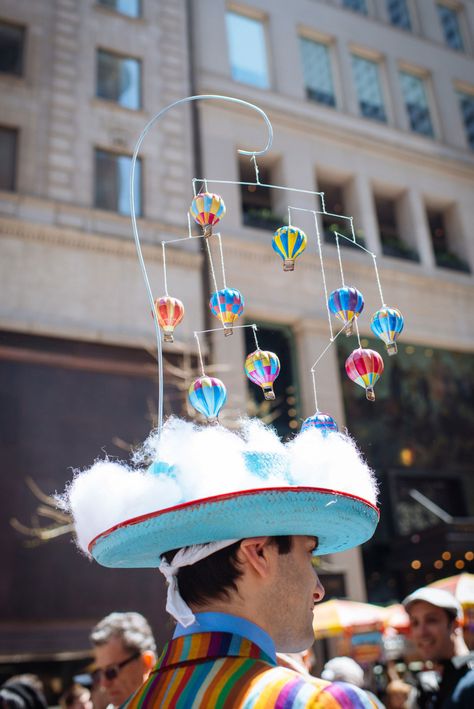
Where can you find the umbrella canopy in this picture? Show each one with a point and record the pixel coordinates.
(345, 618)
(396, 617)
(461, 586)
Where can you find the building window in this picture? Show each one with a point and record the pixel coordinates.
(12, 41)
(258, 209)
(369, 90)
(356, 5)
(466, 104)
(112, 182)
(450, 23)
(119, 79)
(247, 50)
(132, 8)
(399, 14)
(416, 103)
(8, 153)
(444, 257)
(389, 230)
(317, 72)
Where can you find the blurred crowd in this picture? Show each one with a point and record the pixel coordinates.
(124, 652)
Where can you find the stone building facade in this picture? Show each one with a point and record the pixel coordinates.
(367, 106)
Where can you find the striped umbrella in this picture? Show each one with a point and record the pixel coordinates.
(337, 617)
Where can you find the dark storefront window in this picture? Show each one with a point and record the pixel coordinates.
(64, 404)
(417, 436)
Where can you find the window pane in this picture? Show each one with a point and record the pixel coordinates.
(12, 40)
(466, 103)
(399, 14)
(112, 182)
(125, 7)
(317, 72)
(357, 5)
(450, 24)
(8, 150)
(118, 79)
(247, 50)
(416, 103)
(444, 256)
(369, 92)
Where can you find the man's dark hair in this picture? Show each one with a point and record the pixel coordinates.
(217, 574)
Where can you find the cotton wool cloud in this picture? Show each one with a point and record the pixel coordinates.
(207, 461)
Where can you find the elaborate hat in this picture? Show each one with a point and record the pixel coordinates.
(208, 484)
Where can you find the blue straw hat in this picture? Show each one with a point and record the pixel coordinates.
(339, 519)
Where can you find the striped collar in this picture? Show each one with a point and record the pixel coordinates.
(208, 646)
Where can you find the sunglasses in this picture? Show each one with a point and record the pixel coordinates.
(112, 671)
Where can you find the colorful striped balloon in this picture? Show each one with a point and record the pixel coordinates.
(346, 303)
(387, 324)
(208, 395)
(207, 209)
(323, 422)
(289, 242)
(263, 368)
(169, 312)
(227, 304)
(364, 367)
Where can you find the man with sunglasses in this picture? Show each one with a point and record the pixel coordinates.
(125, 652)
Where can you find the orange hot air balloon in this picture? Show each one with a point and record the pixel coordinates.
(170, 312)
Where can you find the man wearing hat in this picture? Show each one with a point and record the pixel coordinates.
(435, 620)
(233, 522)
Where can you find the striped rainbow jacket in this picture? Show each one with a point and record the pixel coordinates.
(226, 671)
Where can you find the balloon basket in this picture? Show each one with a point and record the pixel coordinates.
(350, 328)
(370, 394)
(392, 349)
(228, 331)
(268, 393)
(288, 265)
(208, 231)
(168, 337)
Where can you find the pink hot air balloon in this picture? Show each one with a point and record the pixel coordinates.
(364, 367)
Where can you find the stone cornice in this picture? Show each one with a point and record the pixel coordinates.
(86, 241)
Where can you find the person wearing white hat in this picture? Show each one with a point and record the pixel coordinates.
(232, 521)
(436, 629)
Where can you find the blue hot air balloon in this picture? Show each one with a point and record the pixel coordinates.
(227, 305)
(387, 324)
(208, 395)
(346, 303)
(323, 422)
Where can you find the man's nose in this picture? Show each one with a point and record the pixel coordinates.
(318, 594)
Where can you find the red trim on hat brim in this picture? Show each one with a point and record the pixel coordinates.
(225, 496)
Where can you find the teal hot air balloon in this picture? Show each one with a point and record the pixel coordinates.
(346, 303)
(208, 395)
(289, 242)
(323, 422)
(387, 324)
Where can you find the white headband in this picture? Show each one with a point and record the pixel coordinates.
(175, 605)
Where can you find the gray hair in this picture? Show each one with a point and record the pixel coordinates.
(132, 628)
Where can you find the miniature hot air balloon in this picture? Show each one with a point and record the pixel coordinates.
(289, 242)
(170, 312)
(364, 367)
(227, 304)
(323, 422)
(208, 395)
(263, 368)
(346, 303)
(387, 324)
(207, 209)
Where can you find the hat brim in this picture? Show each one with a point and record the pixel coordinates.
(340, 522)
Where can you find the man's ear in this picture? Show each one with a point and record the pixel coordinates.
(257, 554)
(149, 659)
